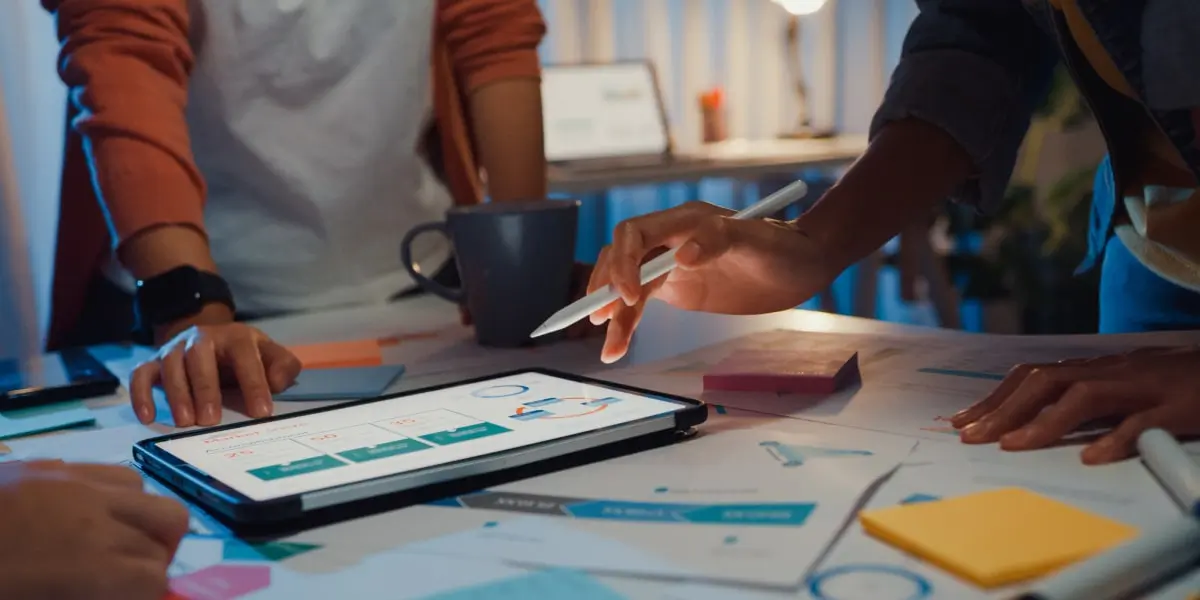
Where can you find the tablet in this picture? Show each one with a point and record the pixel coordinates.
(321, 465)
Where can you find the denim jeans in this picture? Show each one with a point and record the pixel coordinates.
(1133, 298)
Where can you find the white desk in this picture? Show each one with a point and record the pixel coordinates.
(665, 333)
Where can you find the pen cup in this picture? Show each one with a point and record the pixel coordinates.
(515, 261)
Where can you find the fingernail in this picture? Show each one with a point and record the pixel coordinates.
(143, 414)
(973, 432)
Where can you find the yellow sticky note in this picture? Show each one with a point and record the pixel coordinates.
(996, 537)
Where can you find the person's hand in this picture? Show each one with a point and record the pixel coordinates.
(1038, 405)
(76, 532)
(725, 266)
(197, 363)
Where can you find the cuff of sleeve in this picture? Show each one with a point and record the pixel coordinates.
(146, 188)
(973, 100)
(516, 64)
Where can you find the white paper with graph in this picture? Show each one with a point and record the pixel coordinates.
(755, 506)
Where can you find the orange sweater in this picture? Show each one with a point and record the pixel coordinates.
(126, 64)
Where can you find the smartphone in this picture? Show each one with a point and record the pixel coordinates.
(56, 377)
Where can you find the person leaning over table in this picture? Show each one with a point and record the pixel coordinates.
(950, 124)
(84, 532)
(287, 147)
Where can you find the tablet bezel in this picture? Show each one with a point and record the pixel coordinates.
(239, 511)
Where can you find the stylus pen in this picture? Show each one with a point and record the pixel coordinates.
(1171, 464)
(663, 264)
(1153, 557)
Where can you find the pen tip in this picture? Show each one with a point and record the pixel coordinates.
(539, 332)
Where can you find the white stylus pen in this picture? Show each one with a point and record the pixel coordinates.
(663, 264)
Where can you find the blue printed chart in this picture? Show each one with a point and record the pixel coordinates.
(750, 506)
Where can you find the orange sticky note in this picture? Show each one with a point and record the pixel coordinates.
(996, 537)
(335, 355)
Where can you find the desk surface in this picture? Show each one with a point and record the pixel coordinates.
(737, 159)
(665, 333)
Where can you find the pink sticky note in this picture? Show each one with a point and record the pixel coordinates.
(222, 582)
(783, 372)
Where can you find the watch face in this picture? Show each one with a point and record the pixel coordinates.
(177, 294)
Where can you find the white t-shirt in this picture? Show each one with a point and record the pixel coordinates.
(305, 118)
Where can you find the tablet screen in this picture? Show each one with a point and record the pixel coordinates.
(288, 456)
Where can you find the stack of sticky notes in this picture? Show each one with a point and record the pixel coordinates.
(332, 355)
(341, 370)
(997, 537)
(783, 372)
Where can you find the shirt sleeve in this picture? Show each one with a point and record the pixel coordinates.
(491, 40)
(126, 65)
(976, 69)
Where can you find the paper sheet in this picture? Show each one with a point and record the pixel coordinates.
(861, 567)
(753, 505)
(910, 385)
(40, 419)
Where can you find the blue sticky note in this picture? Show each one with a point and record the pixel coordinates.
(554, 583)
(40, 419)
(346, 383)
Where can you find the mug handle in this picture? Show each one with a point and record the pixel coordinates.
(427, 284)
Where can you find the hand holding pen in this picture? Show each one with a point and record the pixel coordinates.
(700, 257)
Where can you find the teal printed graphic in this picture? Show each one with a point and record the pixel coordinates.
(464, 434)
(794, 456)
(967, 374)
(766, 515)
(300, 467)
(553, 583)
(919, 498)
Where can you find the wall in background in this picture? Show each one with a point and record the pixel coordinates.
(33, 105)
(848, 48)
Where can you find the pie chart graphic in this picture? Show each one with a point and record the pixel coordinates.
(500, 391)
(885, 582)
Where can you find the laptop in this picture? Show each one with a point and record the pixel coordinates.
(605, 116)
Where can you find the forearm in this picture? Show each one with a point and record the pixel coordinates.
(909, 167)
(507, 120)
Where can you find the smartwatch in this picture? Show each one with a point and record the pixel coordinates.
(178, 294)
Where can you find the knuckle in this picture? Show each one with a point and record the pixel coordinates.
(627, 229)
(1021, 370)
(1085, 389)
(1042, 376)
(201, 344)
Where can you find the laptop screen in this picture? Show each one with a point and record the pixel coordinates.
(601, 111)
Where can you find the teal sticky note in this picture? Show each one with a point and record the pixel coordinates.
(40, 419)
(554, 583)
